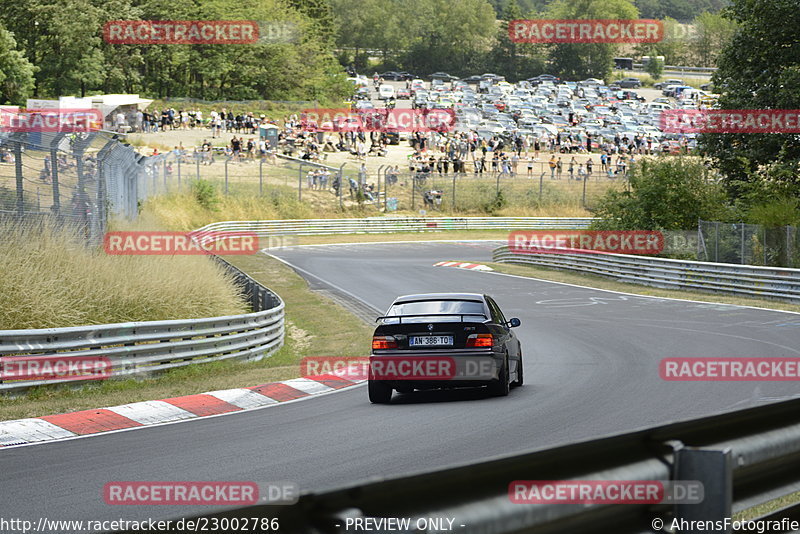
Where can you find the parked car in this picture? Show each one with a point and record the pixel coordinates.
(628, 83)
(386, 91)
(460, 329)
(392, 75)
(662, 84)
(442, 76)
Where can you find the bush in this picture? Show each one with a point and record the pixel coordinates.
(664, 194)
(205, 194)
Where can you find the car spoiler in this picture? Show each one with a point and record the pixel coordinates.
(462, 315)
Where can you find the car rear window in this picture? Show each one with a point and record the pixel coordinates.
(436, 307)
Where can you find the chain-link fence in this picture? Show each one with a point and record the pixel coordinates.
(65, 179)
(389, 188)
(749, 244)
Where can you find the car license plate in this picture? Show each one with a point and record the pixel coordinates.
(416, 341)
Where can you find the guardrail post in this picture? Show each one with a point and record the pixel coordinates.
(197, 165)
(714, 469)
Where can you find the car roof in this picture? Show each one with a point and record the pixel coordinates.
(439, 296)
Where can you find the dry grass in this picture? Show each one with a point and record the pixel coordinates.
(315, 326)
(51, 280)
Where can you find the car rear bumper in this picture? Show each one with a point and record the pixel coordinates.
(435, 368)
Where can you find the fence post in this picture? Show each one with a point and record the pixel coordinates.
(742, 246)
(226, 173)
(341, 183)
(261, 177)
(378, 194)
(54, 174)
(164, 173)
(413, 189)
(584, 191)
(454, 192)
(180, 157)
(541, 184)
(18, 172)
(197, 164)
(716, 242)
(300, 183)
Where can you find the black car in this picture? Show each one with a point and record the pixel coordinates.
(392, 75)
(443, 340)
(475, 78)
(544, 78)
(442, 76)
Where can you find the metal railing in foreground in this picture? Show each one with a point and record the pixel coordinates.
(378, 225)
(141, 348)
(742, 458)
(747, 280)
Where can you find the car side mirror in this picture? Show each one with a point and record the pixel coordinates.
(514, 322)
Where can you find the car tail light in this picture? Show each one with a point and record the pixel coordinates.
(383, 342)
(480, 340)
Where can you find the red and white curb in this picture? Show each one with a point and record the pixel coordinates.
(140, 414)
(463, 265)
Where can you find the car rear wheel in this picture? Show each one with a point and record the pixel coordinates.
(518, 382)
(379, 392)
(500, 387)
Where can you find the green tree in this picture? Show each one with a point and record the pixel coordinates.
(664, 194)
(449, 35)
(16, 72)
(581, 60)
(655, 67)
(759, 69)
(712, 33)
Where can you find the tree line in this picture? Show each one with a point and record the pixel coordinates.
(50, 48)
(471, 37)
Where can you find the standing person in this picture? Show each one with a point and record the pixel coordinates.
(537, 146)
(581, 172)
(514, 163)
(530, 166)
(553, 166)
(571, 168)
(559, 166)
(362, 174)
(589, 143)
(589, 167)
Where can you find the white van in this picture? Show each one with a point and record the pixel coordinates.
(385, 92)
(658, 106)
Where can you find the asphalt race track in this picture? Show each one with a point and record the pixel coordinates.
(591, 368)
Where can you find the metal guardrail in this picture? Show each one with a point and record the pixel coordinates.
(141, 348)
(752, 281)
(378, 225)
(742, 458)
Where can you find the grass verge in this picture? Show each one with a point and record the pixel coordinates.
(315, 326)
